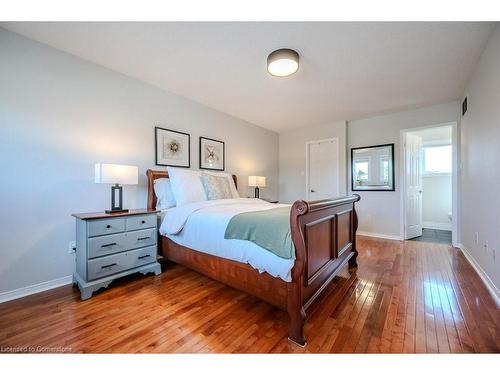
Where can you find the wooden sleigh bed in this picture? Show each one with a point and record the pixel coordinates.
(324, 235)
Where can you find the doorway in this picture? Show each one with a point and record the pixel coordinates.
(322, 169)
(428, 179)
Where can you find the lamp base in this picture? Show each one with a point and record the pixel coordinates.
(116, 200)
(115, 211)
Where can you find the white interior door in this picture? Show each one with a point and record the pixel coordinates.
(413, 187)
(323, 169)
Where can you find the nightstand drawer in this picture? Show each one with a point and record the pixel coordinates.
(106, 245)
(141, 222)
(142, 238)
(107, 226)
(116, 243)
(112, 264)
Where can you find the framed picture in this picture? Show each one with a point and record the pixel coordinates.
(172, 148)
(372, 168)
(212, 154)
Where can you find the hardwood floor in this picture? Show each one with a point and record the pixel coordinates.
(406, 297)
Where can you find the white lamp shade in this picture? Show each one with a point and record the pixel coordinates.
(116, 174)
(258, 181)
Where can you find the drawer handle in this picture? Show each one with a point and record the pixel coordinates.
(109, 265)
(143, 238)
(144, 256)
(109, 244)
(108, 226)
(143, 221)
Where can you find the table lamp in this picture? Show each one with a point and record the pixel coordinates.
(258, 182)
(116, 174)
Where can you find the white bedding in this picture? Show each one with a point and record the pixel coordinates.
(201, 226)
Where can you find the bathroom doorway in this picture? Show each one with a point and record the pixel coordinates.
(428, 189)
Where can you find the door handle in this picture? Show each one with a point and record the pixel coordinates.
(313, 191)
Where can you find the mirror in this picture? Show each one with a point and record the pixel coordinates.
(372, 168)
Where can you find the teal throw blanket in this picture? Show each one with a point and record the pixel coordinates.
(269, 229)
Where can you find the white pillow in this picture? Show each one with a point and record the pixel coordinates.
(234, 191)
(164, 195)
(186, 186)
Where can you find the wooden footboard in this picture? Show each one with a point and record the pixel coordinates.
(324, 235)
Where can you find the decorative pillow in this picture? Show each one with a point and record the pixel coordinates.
(234, 191)
(216, 187)
(186, 186)
(164, 195)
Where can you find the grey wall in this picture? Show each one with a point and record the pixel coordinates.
(480, 157)
(292, 158)
(379, 212)
(58, 116)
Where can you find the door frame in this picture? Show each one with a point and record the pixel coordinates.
(455, 159)
(308, 144)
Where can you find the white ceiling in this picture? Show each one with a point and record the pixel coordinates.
(347, 70)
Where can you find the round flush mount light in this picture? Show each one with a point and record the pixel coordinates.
(283, 62)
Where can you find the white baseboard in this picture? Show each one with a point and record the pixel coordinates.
(486, 279)
(379, 235)
(436, 225)
(37, 288)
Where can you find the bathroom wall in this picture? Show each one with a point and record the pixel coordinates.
(436, 202)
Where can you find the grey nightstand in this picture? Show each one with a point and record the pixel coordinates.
(109, 246)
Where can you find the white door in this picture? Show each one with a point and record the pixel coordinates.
(323, 169)
(413, 186)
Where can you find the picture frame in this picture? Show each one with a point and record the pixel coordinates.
(212, 154)
(372, 168)
(172, 148)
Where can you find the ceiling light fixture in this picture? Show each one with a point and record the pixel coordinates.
(283, 62)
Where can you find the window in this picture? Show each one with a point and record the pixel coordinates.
(437, 159)
(361, 170)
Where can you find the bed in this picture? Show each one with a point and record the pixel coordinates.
(323, 234)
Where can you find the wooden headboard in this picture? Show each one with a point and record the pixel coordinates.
(153, 175)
